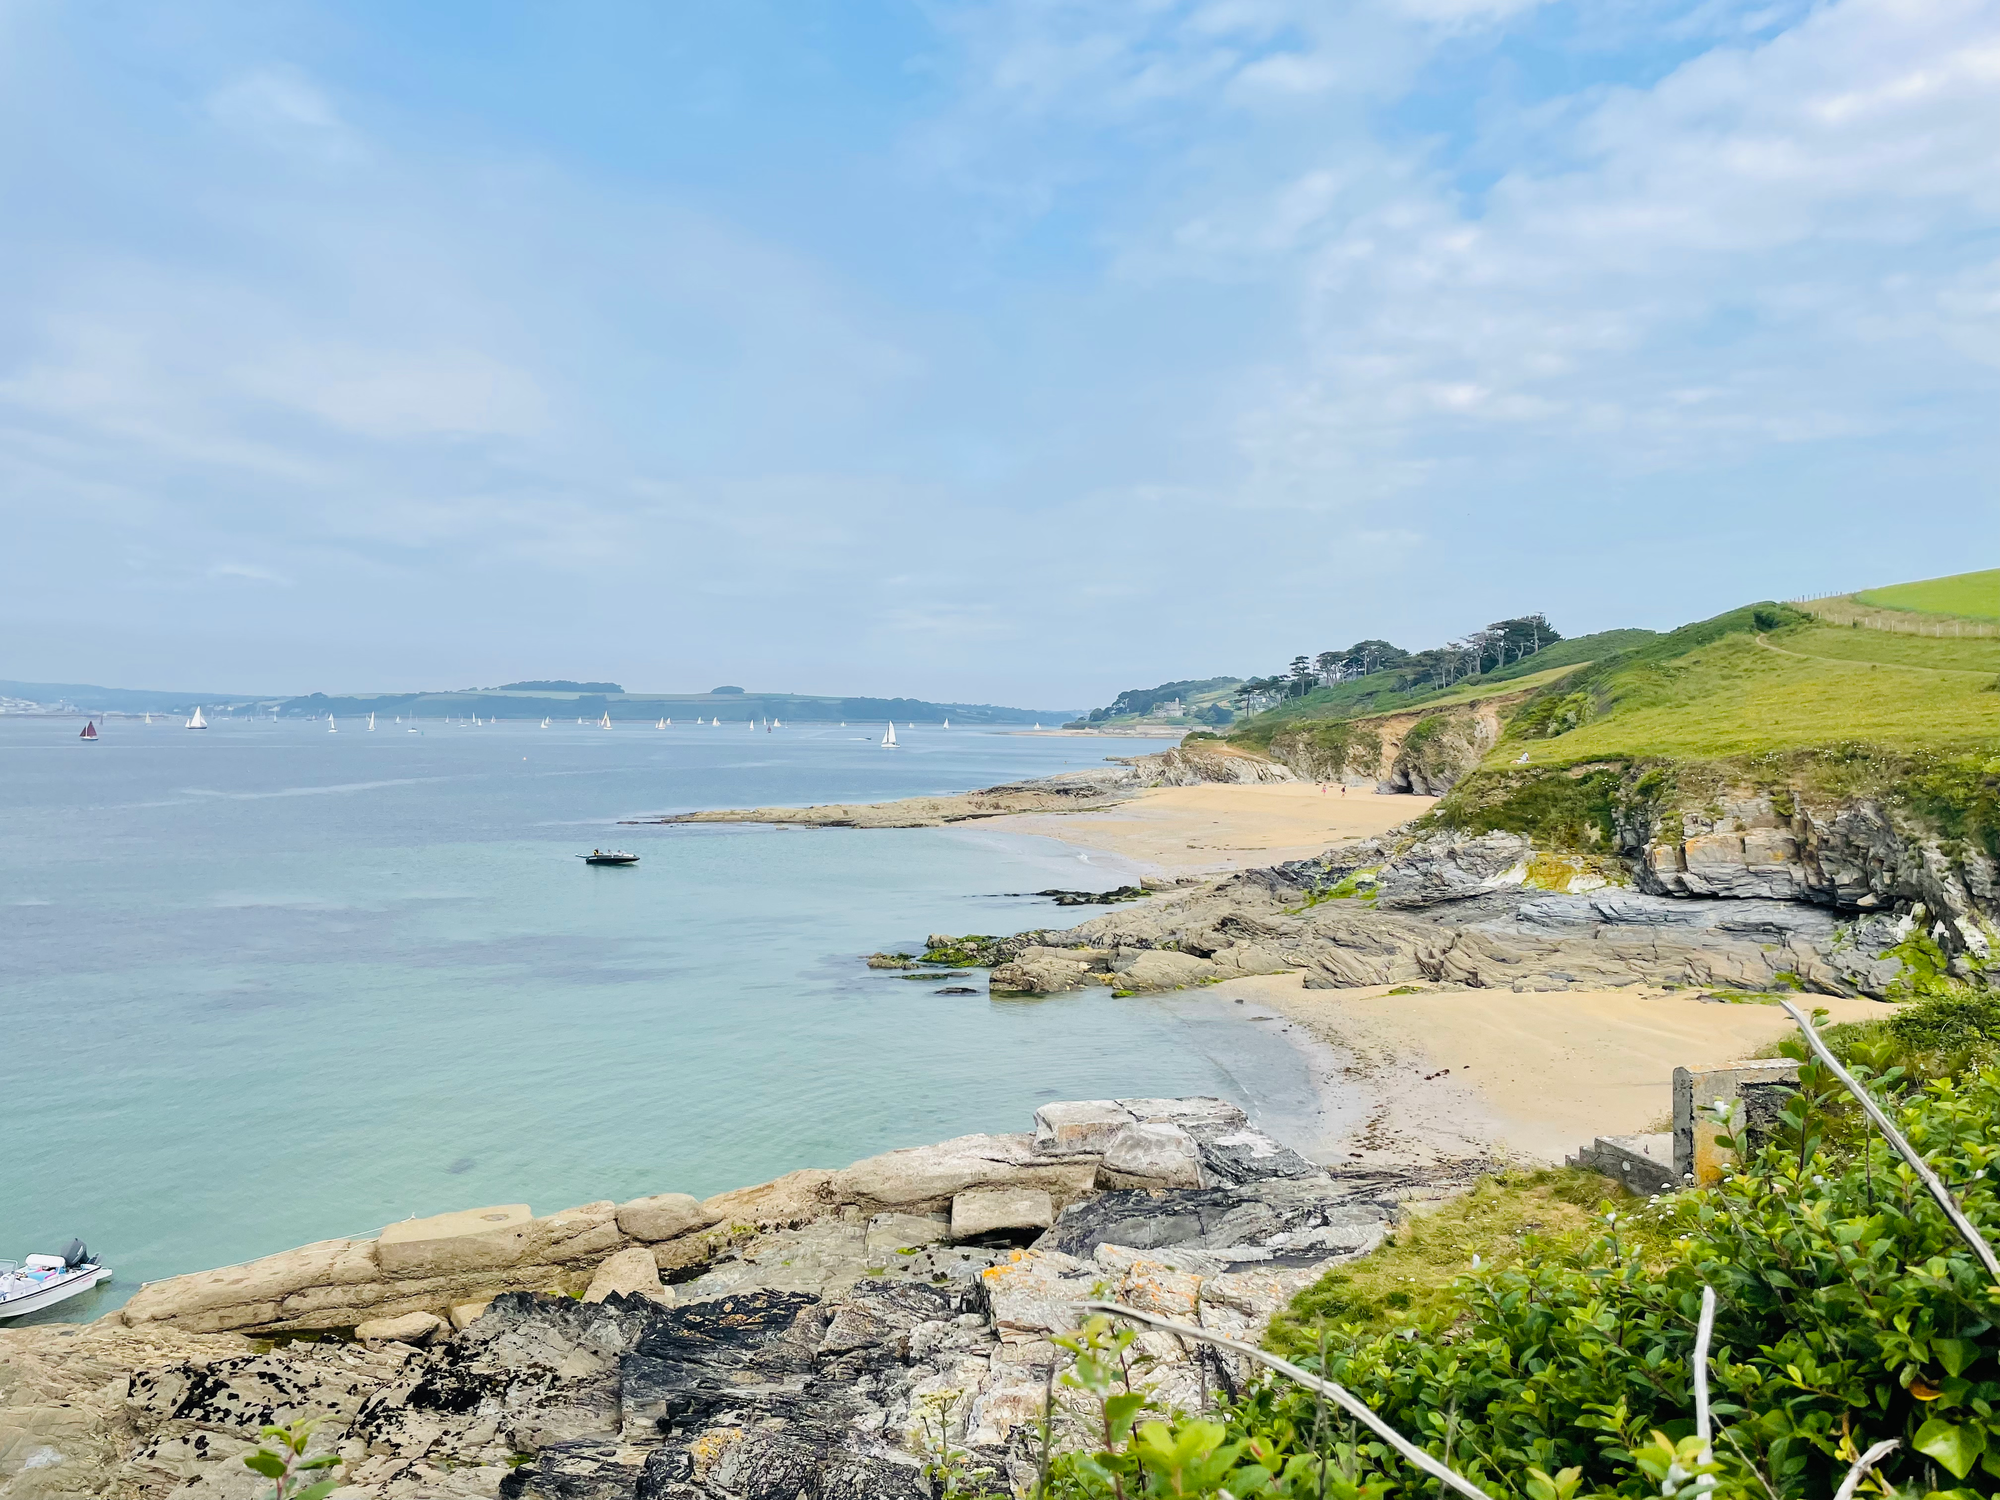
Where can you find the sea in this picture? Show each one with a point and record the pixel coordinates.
(277, 982)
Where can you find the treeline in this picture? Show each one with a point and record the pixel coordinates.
(1139, 701)
(1501, 644)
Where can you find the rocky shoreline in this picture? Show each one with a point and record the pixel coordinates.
(1091, 790)
(816, 1335)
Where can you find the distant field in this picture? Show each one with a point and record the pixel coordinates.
(1798, 687)
(1971, 596)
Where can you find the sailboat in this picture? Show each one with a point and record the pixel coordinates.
(545, 723)
(605, 722)
(149, 718)
(197, 722)
(661, 725)
(371, 723)
(89, 730)
(1038, 724)
(331, 728)
(889, 736)
(947, 723)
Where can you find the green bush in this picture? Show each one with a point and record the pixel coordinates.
(1849, 1311)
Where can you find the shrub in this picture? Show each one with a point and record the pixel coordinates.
(1849, 1311)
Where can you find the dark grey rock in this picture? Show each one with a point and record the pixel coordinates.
(1286, 1221)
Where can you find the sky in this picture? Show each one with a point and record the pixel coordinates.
(1020, 351)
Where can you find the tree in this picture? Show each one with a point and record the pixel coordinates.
(1302, 674)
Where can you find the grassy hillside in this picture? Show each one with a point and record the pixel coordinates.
(1385, 692)
(1967, 596)
(1766, 695)
(1726, 688)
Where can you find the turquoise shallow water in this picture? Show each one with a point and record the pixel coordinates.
(266, 985)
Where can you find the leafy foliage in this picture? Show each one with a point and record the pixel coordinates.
(1849, 1312)
(281, 1458)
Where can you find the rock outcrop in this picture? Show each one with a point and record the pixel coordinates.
(1858, 856)
(830, 1356)
(1447, 909)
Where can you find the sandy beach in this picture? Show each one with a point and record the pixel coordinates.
(1218, 826)
(1454, 1077)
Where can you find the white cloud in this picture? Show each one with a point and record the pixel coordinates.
(282, 108)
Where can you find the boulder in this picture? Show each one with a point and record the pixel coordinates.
(796, 1198)
(1159, 969)
(1150, 1156)
(1199, 1109)
(1451, 867)
(662, 1216)
(411, 1328)
(1050, 971)
(984, 1213)
(1294, 1218)
(922, 1178)
(892, 1233)
(472, 1239)
(630, 1272)
(465, 1314)
(1078, 1125)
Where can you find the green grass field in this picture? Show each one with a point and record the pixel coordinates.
(1969, 596)
(1745, 692)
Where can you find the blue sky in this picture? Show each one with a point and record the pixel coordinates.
(1007, 351)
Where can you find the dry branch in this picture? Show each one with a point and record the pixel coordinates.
(1894, 1137)
(1337, 1394)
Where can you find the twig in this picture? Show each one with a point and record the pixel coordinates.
(1863, 1464)
(1702, 1335)
(1730, 1438)
(1894, 1136)
(1338, 1394)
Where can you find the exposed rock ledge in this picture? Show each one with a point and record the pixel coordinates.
(794, 1339)
(1088, 790)
(1479, 912)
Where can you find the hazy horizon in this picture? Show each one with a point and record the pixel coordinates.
(1004, 351)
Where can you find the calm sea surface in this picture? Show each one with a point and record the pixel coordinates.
(265, 984)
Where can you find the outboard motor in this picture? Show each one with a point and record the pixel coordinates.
(74, 1254)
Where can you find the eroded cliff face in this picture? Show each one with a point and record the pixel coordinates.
(1425, 751)
(1859, 856)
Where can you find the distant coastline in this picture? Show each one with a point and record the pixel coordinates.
(506, 703)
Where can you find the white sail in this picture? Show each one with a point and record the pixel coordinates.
(947, 723)
(661, 725)
(330, 729)
(149, 718)
(545, 723)
(889, 736)
(605, 722)
(197, 722)
(371, 723)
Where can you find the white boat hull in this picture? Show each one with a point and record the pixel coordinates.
(53, 1292)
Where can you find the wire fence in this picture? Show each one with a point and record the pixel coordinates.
(1845, 609)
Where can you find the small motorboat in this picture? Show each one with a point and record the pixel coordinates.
(609, 857)
(48, 1279)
